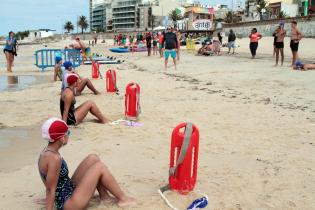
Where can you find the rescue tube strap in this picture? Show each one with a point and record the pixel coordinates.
(184, 148)
(114, 81)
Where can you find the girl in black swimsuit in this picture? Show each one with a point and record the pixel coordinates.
(72, 115)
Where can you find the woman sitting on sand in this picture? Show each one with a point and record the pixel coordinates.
(82, 82)
(303, 67)
(74, 116)
(91, 174)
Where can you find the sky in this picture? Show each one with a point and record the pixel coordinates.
(19, 15)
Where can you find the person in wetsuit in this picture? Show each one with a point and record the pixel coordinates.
(171, 45)
(65, 193)
(72, 115)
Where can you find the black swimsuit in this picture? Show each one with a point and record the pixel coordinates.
(71, 117)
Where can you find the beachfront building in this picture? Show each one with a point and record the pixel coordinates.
(289, 8)
(127, 15)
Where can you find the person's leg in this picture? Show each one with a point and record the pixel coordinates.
(89, 106)
(251, 47)
(87, 185)
(79, 173)
(282, 56)
(178, 56)
(295, 57)
(277, 56)
(7, 56)
(86, 82)
(166, 55)
(174, 55)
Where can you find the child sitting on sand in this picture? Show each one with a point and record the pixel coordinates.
(72, 115)
(303, 67)
(82, 83)
(91, 174)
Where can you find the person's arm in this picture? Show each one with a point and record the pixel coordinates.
(51, 180)
(259, 36)
(299, 34)
(67, 103)
(176, 42)
(56, 72)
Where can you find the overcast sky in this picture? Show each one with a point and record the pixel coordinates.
(19, 15)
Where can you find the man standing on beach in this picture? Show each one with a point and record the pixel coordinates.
(280, 33)
(231, 41)
(296, 36)
(171, 45)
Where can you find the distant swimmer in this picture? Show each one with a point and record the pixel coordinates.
(65, 193)
(72, 115)
(86, 51)
(82, 82)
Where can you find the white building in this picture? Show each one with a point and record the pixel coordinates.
(40, 33)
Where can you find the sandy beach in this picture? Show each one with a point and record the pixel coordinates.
(256, 126)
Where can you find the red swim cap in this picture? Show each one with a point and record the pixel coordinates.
(72, 78)
(54, 129)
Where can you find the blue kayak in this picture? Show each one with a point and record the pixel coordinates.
(119, 50)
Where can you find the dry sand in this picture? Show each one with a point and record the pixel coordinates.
(256, 124)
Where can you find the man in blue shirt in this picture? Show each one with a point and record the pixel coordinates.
(10, 50)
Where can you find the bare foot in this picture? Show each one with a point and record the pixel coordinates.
(105, 120)
(126, 202)
(97, 93)
(109, 200)
(275, 65)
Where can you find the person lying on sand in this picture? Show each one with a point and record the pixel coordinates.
(63, 192)
(82, 83)
(72, 115)
(303, 67)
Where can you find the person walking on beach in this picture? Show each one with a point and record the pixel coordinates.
(72, 115)
(280, 34)
(170, 43)
(220, 37)
(82, 82)
(148, 39)
(75, 193)
(161, 44)
(231, 41)
(254, 37)
(154, 43)
(296, 36)
(10, 50)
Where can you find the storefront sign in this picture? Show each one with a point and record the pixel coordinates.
(202, 24)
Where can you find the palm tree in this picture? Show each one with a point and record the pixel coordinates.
(261, 5)
(83, 23)
(68, 26)
(175, 17)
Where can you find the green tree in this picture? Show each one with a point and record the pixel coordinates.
(232, 18)
(175, 17)
(83, 23)
(21, 34)
(282, 14)
(261, 6)
(68, 26)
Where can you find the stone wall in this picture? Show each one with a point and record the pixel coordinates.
(266, 28)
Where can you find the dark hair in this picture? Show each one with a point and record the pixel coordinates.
(254, 29)
(10, 32)
(294, 22)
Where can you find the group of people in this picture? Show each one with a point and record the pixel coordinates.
(92, 174)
